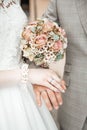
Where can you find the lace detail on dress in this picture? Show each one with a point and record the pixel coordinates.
(8, 3)
(12, 20)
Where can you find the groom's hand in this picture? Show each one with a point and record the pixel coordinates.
(52, 99)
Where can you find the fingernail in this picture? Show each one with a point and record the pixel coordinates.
(60, 103)
(63, 91)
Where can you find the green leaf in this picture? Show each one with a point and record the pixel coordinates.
(59, 56)
(33, 29)
(38, 61)
(55, 37)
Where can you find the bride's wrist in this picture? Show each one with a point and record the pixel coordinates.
(24, 71)
(16, 75)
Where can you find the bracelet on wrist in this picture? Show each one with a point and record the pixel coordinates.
(24, 73)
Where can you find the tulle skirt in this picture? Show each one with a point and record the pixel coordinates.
(19, 111)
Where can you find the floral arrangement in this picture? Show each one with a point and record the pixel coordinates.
(43, 42)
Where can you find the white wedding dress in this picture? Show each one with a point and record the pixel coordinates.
(18, 108)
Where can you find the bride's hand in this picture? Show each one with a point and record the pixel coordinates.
(46, 77)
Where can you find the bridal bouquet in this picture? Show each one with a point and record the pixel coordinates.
(43, 42)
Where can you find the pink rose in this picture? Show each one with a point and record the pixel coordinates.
(48, 26)
(57, 46)
(62, 31)
(26, 33)
(41, 40)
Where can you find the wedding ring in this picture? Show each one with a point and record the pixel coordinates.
(51, 80)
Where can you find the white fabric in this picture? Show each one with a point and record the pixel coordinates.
(18, 108)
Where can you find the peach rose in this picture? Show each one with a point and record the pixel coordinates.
(57, 46)
(48, 26)
(62, 31)
(41, 40)
(26, 33)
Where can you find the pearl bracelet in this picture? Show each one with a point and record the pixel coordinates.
(24, 73)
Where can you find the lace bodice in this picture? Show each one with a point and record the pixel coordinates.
(12, 20)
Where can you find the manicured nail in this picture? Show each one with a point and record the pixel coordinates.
(63, 91)
(60, 103)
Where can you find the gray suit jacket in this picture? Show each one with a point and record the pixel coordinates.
(72, 16)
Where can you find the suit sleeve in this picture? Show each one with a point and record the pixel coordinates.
(51, 11)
